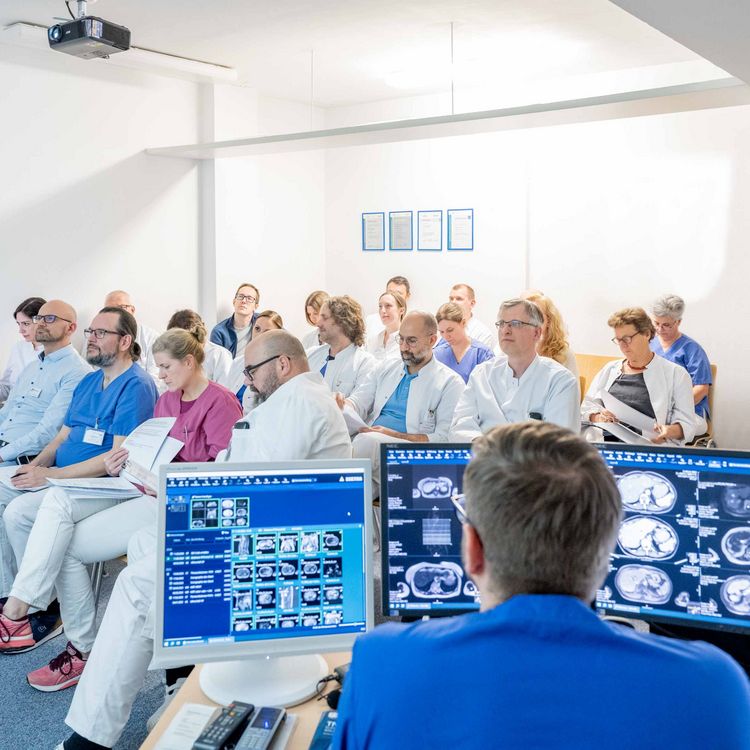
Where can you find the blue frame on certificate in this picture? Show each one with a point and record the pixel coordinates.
(393, 249)
(365, 248)
(451, 245)
(419, 236)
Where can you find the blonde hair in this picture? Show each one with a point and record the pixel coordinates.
(450, 311)
(315, 300)
(179, 343)
(554, 341)
(273, 316)
(398, 299)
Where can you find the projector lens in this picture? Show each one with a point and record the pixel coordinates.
(55, 33)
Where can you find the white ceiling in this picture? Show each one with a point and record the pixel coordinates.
(370, 50)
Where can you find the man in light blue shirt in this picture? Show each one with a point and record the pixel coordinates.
(38, 402)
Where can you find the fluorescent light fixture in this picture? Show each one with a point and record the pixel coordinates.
(35, 37)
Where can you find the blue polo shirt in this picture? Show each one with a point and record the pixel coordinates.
(393, 413)
(689, 354)
(117, 410)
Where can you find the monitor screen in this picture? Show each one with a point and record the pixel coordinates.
(421, 535)
(683, 550)
(263, 559)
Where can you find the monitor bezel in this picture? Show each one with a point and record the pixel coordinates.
(231, 650)
(407, 612)
(684, 622)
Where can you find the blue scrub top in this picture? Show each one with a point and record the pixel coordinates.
(393, 413)
(476, 354)
(117, 409)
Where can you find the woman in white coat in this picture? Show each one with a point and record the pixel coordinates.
(658, 389)
(384, 345)
(23, 352)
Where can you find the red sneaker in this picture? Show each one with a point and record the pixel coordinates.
(15, 634)
(62, 672)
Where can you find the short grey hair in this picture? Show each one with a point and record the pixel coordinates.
(546, 508)
(668, 306)
(532, 310)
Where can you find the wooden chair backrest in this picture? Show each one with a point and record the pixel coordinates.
(588, 367)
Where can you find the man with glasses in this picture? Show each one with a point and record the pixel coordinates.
(106, 406)
(536, 668)
(411, 400)
(341, 359)
(235, 332)
(519, 386)
(36, 406)
(297, 418)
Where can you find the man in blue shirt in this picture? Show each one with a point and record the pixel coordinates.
(235, 332)
(666, 313)
(106, 406)
(536, 668)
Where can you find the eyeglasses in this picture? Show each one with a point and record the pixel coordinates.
(459, 502)
(245, 298)
(100, 333)
(665, 326)
(250, 369)
(625, 339)
(48, 318)
(514, 324)
(410, 341)
(127, 308)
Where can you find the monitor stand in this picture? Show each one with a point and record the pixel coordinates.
(639, 626)
(264, 680)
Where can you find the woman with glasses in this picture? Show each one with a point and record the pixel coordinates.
(457, 349)
(391, 309)
(641, 387)
(23, 352)
(554, 340)
(235, 332)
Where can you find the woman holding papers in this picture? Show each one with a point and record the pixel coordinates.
(642, 397)
(201, 414)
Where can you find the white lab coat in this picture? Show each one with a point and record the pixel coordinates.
(390, 350)
(217, 363)
(23, 353)
(433, 396)
(347, 371)
(478, 331)
(494, 396)
(299, 420)
(669, 388)
(310, 339)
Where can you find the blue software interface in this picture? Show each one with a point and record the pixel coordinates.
(253, 555)
(683, 549)
(421, 546)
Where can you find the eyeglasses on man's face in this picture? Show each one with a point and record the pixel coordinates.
(99, 333)
(251, 369)
(49, 318)
(410, 341)
(244, 298)
(515, 324)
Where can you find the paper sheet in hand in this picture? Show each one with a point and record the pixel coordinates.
(627, 414)
(146, 440)
(353, 421)
(6, 472)
(115, 487)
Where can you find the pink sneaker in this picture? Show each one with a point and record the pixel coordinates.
(15, 634)
(62, 672)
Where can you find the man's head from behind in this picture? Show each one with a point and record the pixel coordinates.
(272, 360)
(543, 513)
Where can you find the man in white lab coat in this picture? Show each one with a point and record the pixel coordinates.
(412, 400)
(341, 359)
(297, 418)
(519, 386)
(463, 295)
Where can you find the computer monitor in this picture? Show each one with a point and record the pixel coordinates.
(683, 550)
(269, 560)
(421, 535)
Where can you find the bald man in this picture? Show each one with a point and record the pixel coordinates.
(296, 418)
(37, 404)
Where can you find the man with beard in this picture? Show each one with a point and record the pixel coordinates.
(410, 401)
(296, 418)
(106, 406)
(36, 406)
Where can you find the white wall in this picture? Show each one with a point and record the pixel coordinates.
(82, 208)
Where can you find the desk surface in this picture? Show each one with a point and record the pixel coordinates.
(308, 713)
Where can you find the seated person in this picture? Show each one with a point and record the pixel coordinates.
(313, 303)
(399, 284)
(217, 359)
(297, 419)
(106, 406)
(235, 332)
(69, 534)
(670, 343)
(408, 400)
(519, 386)
(457, 349)
(25, 351)
(341, 358)
(536, 668)
(463, 295)
(653, 386)
(384, 345)
(554, 340)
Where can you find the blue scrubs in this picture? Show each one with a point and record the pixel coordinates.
(393, 413)
(476, 354)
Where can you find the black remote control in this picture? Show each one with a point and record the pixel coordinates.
(228, 724)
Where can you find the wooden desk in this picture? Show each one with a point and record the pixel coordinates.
(308, 714)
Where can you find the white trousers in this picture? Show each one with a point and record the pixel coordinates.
(367, 445)
(8, 567)
(117, 666)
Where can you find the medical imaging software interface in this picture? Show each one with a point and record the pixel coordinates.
(260, 555)
(422, 570)
(683, 548)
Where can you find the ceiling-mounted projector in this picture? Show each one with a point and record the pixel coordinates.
(89, 37)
